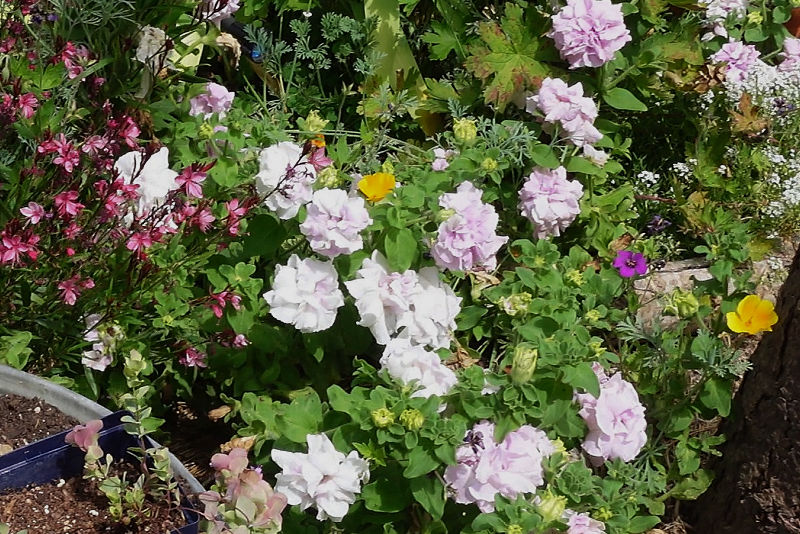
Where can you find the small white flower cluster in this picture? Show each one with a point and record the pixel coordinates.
(776, 91)
(647, 181)
(684, 169)
(789, 198)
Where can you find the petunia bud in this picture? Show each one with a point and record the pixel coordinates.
(412, 419)
(488, 164)
(552, 507)
(465, 130)
(523, 364)
(516, 304)
(682, 303)
(382, 417)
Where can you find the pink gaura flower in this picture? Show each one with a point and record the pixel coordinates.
(235, 213)
(202, 219)
(193, 358)
(72, 231)
(220, 300)
(67, 205)
(33, 212)
(139, 241)
(94, 144)
(27, 105)
(12, 248)
(318, 158)
(191, 179)
(72, 288)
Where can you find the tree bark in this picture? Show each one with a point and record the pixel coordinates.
(757, 488)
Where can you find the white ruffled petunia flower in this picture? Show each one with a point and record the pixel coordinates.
(286, 176)
(154, 178)
(417, 306)
(334, 223)
(413, 365)
(324, 477)
(305, 294)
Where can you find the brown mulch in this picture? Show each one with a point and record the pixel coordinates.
(23, 421)
(76, 506)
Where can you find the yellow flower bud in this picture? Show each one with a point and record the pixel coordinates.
(574, 276)
(412, 419)
(552, 507)
(682, 303)
(755, 17)
(489, 164)
(315, 123)
(516, 304)
(592, 316)
(382, 417)
(523, 364)
(206, 131)
(514, 529)
(329, 177)
(465, 130)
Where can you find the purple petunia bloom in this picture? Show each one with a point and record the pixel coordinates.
(630, 263)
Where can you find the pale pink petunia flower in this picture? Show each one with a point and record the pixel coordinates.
(587, 33)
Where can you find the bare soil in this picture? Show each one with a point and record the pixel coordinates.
(23, 421)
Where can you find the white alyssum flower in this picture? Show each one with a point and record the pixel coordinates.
(285, 176)
(334, 222)
(417, 306)
(413, 365)
(324, 477)
(305, 294)
(152, 49)
(154, 178)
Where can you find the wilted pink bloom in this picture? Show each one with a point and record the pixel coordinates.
(486, 468)
(229, 465)
(33, 212)
(739, 57)
(67, 205)
(84, 436)
(617, 427)
(193, 358)
(216, 99)
(467, 239)
(72, 231)
(240, 341)
(27, 105)
(587, 33)
(128, 131)
(550, 201)
(221, 299)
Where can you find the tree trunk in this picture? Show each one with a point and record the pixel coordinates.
(757, 489)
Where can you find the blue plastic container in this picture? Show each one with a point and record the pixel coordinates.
(53, 459)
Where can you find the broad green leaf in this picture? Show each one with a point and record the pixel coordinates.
(582, 376)
(421, 461)
(716, 394)
(430, 493)
(620, 98)
(401, 248)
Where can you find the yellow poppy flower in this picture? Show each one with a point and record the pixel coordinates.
(752, 315)
(376, 186)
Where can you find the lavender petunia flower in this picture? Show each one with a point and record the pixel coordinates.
(216, 99)
(566, 107)
(467, 239)
(587, 33)
(486, 467)
(334, 223)
(739, 58)
(550, 201)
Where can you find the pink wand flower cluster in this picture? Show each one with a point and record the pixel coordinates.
(467, 239)
(588, 32)
(617, 427)
(550, 201)
(486, 467)
(566, 107)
